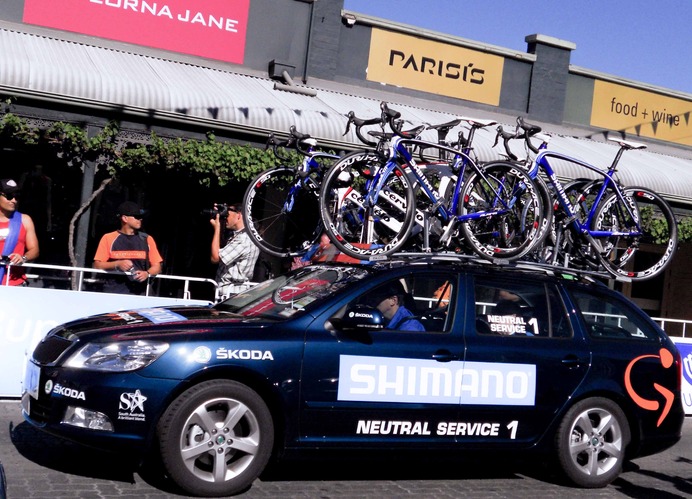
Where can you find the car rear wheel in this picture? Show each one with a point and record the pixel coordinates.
(591, 442)
(216, 438)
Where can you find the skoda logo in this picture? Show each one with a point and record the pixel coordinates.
(49, 387)
(201, 355)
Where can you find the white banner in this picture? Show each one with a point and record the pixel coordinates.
(27, 314)
(685, 347)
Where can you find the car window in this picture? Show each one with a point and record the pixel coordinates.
(607, 316)
(521, 309)
(427, 300)
(290, 295)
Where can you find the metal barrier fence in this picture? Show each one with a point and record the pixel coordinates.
(80, 280)
(675, 327)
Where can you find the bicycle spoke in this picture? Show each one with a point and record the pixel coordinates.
(502, 212)
(638, 238)
(361, 219)
(282, 212)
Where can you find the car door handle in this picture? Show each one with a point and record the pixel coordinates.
(444, 356)
(572, 362)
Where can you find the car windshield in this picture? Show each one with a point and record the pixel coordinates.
(292, 294)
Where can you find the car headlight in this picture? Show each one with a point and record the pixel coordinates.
(118, 356)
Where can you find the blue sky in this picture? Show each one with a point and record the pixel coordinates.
(648, 41)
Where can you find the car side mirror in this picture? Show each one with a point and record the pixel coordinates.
(359, 318)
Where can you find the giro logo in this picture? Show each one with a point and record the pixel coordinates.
(652, 405)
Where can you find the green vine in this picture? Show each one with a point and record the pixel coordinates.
(658, 227)
(685, 230)
(209, 161)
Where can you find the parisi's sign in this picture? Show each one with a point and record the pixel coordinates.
(214, 28)
(434, 67)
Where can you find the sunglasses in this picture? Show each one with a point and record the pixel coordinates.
(138, 217)
(9, 197)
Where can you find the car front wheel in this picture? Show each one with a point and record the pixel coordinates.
(216, 438)
(591, 442)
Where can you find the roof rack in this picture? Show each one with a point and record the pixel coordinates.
(555, 270)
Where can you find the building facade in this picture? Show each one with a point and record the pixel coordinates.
(247, 68)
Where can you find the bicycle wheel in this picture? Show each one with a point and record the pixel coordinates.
(282, 211)
(646, 233)
(502, 212)
(362, 228)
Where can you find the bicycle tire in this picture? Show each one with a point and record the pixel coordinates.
(360, 231)
(278, 227)
(645, 255)
(547, 230)
(509, 211)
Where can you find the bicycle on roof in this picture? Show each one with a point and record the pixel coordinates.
(630, 232)
(369, 206)
(281, 204)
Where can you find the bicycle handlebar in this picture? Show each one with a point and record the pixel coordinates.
(391, 117)
(529, 131)
(523, 130)
(301, 142)
(359, 124)
(506, 137)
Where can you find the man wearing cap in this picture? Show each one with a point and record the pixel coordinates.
(390, 301)
(129, 251)
(18, 241)
(237, 258)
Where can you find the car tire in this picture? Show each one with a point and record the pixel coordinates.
(591, 442)
(203, 454)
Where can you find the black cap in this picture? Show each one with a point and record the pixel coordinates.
(393, 288)
(8, 186)
(130, 209)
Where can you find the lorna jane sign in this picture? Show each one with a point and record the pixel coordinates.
(214, 28)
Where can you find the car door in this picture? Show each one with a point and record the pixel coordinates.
(385, 386)
(523, 360)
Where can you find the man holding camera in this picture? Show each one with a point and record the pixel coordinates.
(238, 257)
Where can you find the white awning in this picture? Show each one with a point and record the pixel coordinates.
(47, 67)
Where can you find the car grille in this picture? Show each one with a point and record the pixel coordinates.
(50, 349)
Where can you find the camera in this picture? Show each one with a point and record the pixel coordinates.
(221, 209)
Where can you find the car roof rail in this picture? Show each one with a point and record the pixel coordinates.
(568, 273)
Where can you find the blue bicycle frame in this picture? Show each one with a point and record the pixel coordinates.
(398, 151)
(541, 162)
(309, 164)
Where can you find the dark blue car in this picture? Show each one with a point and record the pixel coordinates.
(488, 357)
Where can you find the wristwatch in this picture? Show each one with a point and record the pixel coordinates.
(24, 259)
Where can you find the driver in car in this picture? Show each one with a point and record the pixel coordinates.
(390, 302)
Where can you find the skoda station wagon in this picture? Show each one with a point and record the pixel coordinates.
(502, 358)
